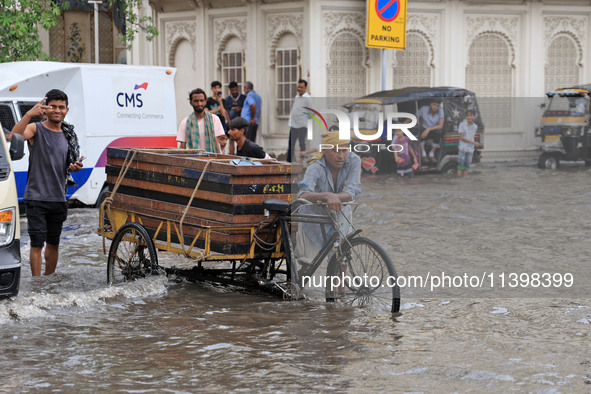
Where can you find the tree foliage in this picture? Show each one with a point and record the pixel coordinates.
(20, 19)
(19, 38)
(127, 11)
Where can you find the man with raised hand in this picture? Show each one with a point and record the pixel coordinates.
(53, 151)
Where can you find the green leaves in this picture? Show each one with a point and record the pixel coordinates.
(20, 19)
(131, 23)
(19, 38)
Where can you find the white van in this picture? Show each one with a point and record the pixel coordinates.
(110, 105)
(10, 232)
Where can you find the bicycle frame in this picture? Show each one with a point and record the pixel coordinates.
(330, 244)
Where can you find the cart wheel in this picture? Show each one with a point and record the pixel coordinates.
(450, 168)
(367, 276)
(132, 255)
(548, 161)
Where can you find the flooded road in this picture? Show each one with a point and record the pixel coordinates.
(71, 332)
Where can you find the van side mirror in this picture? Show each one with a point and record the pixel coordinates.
(17, 147)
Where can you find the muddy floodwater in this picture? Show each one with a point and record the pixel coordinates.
(494, 326)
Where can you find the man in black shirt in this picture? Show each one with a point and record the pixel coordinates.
(245, 147)
(234, 101)
(215, 104)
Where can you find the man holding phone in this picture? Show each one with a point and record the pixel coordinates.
(54, 151)
(215, 104)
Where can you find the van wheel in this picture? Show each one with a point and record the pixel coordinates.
(450, 168)
(102, 195)
(549, 161)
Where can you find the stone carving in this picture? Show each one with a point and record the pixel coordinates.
(175, 32)
(573, 26)
(421, 34)
(429, 24)
(427, 27)
(336, 22)
(280, 24)
(506, 27)
(223, 30)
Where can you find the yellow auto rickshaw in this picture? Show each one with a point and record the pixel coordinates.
(565, 127)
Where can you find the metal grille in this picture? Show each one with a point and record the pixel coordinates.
(489, 75)
(232, 70)
(345, 77)
(287, 77)
(57, 40)
(562, 69)
(25, 107)
(7, 117)
(106, 55)
(412, 65)
(60, 35)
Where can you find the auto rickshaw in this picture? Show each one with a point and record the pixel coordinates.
(455, 103)
(565, 127)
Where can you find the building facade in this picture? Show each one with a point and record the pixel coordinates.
(509, 52)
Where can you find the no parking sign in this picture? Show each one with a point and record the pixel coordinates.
(386, 24)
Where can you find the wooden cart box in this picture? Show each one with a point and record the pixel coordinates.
(158, 185)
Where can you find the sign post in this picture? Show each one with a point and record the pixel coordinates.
(386, 24)
(386, 28)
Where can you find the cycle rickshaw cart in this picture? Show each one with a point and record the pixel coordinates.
(455, 103)
(232, 221)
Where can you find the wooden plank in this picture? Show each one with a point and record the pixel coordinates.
(196, 174)
(225, 218)
(235, 209)
(200, 194)
(228, 242)
(162, 178)
(198, 161)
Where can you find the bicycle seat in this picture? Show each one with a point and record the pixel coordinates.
(274, 205)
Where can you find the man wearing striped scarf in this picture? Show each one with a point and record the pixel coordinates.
(200, 129)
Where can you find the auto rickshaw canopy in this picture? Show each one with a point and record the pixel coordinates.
(571, 91)
(387, 97)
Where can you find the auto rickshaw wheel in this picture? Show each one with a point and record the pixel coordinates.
(548, 161)
(450, 168)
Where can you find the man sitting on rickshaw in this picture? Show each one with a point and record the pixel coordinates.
(431, 118)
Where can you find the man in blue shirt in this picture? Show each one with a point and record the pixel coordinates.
(431, 118)
(332, 177)
(251, 110)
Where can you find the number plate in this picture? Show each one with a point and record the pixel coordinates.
(552, 138)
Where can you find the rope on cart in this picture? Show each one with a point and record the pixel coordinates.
(260, 242)
(125, 166)
(109, 200)
(182, 236)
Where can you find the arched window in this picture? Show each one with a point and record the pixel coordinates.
(286, 72)
(489, 75)
(412, 65)
(232, 64)
(345, 75)
(562, 69)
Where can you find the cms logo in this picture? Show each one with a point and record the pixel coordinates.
(133, 99)
(129, 100)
